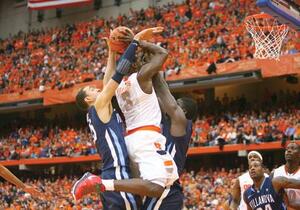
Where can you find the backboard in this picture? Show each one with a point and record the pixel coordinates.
(285, 11)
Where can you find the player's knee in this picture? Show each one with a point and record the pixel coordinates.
(155, 189)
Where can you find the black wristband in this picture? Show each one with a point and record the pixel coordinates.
(118, 77)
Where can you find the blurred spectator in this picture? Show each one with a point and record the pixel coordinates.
(203, 190)
(196, 33)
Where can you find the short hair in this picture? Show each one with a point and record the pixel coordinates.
(294, 142)
(80, 100)
(190, 107)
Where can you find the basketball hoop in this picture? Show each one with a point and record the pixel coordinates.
(268, 35)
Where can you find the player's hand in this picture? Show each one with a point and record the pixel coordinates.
(148, 33)
(108, 42)
(34, 192)
(125, 35)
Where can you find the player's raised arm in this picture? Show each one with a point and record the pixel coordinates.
(283, 183)
(158, 56)
(10, 177)
(111, 61)
(122, 69)
(169, 105)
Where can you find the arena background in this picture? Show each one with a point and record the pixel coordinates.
(44, 140)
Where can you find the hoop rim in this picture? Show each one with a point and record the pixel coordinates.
(248, 21)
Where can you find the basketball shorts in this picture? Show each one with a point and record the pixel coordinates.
(147, 150)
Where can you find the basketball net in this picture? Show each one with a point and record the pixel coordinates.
(268, 35)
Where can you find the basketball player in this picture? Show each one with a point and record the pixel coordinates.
(138, 102)
(106, 128)
(266, 193)
(291, 170)
(242, 183)
(8, 176)
(177, 128)
(144, 141)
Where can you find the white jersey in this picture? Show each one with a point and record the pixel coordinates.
(293, 194)
(139, 108)
(245, 182)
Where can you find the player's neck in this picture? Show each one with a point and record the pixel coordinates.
(258, 182)
(291, 167)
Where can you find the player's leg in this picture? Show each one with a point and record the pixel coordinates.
(90, 183)
(118, 201)
(170, 199)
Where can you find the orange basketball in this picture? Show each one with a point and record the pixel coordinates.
(116, 45)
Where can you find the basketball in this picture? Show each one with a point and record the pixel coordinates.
(116, 45)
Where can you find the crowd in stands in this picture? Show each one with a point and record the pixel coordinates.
(237, 121)
(196, 33)
(37, 142)
(203, 190)
(226, 121)
(57, 195)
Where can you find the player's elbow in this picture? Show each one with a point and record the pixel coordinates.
(164, 54)
(155, 190)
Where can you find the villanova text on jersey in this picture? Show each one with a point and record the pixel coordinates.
(265, 198)
(260, 200)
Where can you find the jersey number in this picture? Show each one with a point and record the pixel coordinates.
(127, 100)
(291, 195)
(91, 128)
(267, 207)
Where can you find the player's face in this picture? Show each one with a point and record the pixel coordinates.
(91, 93)
(292, 152)
(256, 170)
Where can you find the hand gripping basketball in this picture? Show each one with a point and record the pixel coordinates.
(120, 38)
(148, 33)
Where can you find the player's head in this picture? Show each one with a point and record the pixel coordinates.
(189, 106)
(292, 152)
(256, 169)
(254, 156)
(86, 97)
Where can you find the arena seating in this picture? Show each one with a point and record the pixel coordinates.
(196, 33)
(227, 121)
(204, 189)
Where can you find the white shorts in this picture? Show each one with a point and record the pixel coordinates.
(147, 150)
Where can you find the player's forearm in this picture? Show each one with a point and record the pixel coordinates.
(138, 187)
(111, 67)
(153, 48)
(287, 183)
(167, 101)
(8, 176)
(294, 204)
(155, 64)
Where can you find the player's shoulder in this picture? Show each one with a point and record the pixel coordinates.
(248, 193)
(280, 171)
(91, 112)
